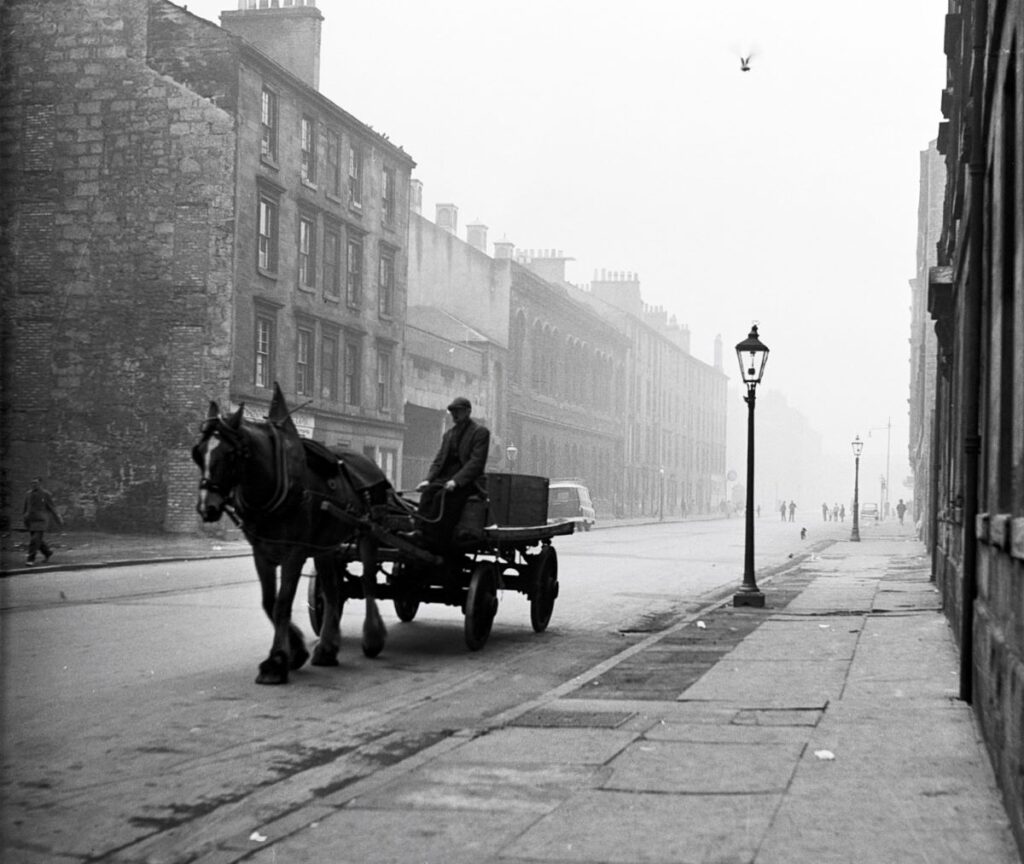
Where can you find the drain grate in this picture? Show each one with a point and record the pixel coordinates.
(552, 719)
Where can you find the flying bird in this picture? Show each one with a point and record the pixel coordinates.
(745, 63)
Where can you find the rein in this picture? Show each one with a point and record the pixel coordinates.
(282, 478)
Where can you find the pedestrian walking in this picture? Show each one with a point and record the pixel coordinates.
(824, 512)
(842, 513)
(792, 510)
(901, 510)
(37, 512)
(782, 511)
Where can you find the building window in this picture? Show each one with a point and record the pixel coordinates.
(354, 274)
(355, 176)
(334, 163)
(388, 195)
(329, 366)
(267, 250)
(307, 253)
(332, 262)
(386, 287)
(353, 354)
(268, 125)
(304, 361)
(264, 350)
(307, 167)
(383, 380)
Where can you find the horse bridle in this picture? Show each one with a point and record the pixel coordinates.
(215, 426)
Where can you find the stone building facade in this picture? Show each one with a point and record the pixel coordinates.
(189, 219)
(321, 206)
(118, 282)
(567, 381)
(923, 345)
(976, 296)
(674, 407)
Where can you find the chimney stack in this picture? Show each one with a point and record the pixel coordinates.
(287, 31)
(476, 236)
(447, 217)
(504, 249)
(416, 196)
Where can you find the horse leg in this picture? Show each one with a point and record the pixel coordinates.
(273, 670)
(374, 631)
(289, 648)
(328, 579)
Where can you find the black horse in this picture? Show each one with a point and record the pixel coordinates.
(273, 484)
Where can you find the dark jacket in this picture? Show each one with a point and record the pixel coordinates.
(462, 456)
(38, 509)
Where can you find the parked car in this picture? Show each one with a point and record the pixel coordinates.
(569, 500)
(869, 511)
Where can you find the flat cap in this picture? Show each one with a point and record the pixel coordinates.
(460, 402)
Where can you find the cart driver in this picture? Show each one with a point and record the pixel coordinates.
(454, 474)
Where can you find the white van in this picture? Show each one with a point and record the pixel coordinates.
(569, 501)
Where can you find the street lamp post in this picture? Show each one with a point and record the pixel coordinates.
(510, 453)
(752, 355)
(661, 499)
(858, 447)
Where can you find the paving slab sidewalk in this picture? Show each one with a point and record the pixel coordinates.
(824, 728)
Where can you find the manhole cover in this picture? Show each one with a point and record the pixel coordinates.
(548, 718)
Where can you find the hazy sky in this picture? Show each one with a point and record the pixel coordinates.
(625, 135)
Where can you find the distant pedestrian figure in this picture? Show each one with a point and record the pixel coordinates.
(842, 513)
(792, 510)
(835, 513)
(824, 512)
(37, 512)
(782, 511)
(901, 510)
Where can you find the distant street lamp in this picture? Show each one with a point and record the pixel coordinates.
(510, 453)
(661, 503)
(858, 447)
(753, 355)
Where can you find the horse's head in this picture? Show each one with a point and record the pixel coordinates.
(219, 453)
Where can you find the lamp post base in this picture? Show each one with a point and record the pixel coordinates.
(748, 598)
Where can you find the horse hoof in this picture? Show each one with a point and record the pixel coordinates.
(273, 670)
(298, 658)
(372, 649)
(324, 657)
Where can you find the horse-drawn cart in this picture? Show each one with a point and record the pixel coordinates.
(501, 543)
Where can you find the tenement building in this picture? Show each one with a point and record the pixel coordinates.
(190, 219)
(567, 380)
(673, 406)
(976, 296)
(924, 344)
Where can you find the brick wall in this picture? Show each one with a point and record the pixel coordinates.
(119, 195)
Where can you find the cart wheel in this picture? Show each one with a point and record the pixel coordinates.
(406, 609)
(481, 604)
(315, 603)
(545, 588)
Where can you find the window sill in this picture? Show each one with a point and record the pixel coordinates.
(332, 298)
(333, 196)
(307, 289)
(269, 162)
(356, 208)
(267, 274)
(309, 184)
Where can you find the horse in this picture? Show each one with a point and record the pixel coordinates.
(273, 483)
